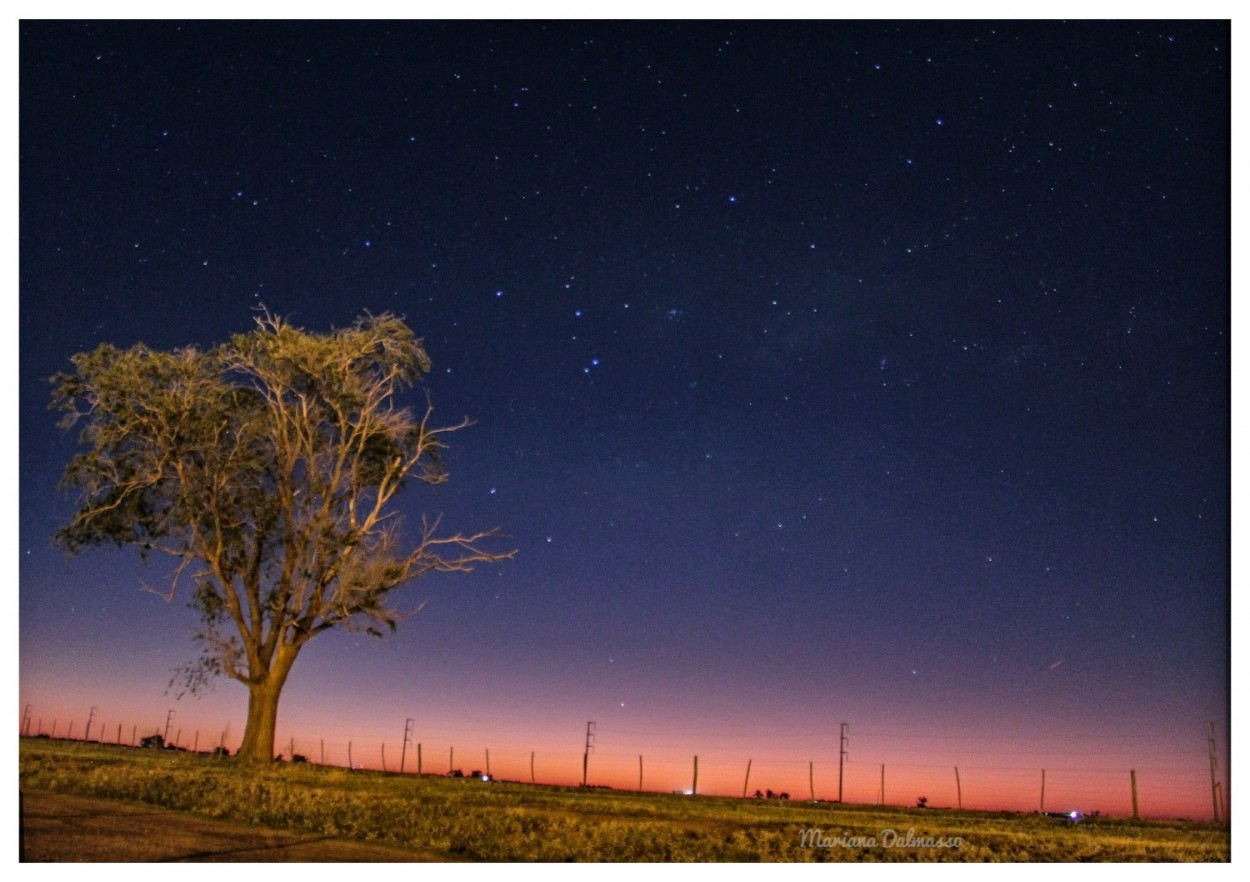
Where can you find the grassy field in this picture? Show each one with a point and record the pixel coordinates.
(471, 820)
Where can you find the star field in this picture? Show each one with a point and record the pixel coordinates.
(819, 371)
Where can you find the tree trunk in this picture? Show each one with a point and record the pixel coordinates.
(262, 710)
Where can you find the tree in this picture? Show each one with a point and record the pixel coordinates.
(267, 467)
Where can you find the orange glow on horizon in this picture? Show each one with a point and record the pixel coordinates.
(995, 780)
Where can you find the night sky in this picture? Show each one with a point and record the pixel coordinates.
(856, 372)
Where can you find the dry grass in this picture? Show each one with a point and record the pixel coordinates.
(469, 820)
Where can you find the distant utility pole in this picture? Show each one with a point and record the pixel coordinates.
(1215, 787)
(169, 718)
(842, 754)
(959, 791)
(26, 721)
(1132, 777)
(403, 751)
(590, 745)
(90, 720)
(1042, 806)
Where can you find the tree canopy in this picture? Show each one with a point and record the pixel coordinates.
(268, 467)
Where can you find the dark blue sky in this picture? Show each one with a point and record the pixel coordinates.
(830, 368)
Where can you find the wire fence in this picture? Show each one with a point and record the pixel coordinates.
(887, 768)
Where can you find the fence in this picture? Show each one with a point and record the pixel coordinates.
(889, 768)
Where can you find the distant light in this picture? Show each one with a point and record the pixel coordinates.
(1076, 816)
(486, 777)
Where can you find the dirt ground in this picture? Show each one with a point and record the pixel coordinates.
(56, 827)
